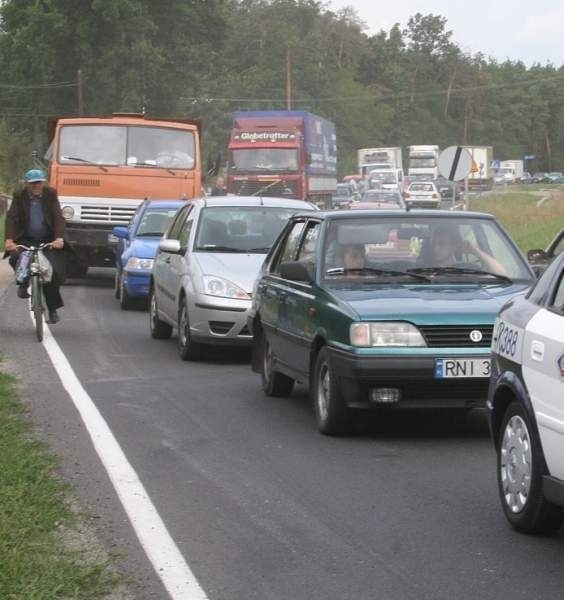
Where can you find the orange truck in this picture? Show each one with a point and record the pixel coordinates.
(103, 168)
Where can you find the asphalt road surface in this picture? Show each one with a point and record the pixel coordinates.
(261, 505)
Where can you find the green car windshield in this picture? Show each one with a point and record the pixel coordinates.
(425, 249)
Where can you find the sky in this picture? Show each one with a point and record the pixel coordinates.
(530, 31)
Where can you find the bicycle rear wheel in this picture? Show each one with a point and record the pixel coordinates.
(37, 306)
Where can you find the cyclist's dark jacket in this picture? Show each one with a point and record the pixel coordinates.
(17, 218)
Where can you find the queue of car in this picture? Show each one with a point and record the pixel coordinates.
(375, 308)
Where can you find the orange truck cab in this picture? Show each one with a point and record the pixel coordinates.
(103, 168)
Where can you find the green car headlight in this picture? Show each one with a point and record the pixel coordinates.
(386, 334)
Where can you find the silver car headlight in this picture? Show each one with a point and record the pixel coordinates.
(68, 212)
(386, 334)
(136, 263)
(217, 286)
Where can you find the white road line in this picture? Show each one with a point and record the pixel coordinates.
(168, 562)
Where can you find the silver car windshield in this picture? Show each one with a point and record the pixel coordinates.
(248, 229)
(433, 249)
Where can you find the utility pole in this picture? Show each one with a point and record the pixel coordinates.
(80, 92)
(288, 77)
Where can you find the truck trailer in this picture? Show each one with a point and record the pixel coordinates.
(291, 154)
(378, 159)
(481, 176)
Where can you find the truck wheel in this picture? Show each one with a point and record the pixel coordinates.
(159, 329)
(520, 470)
(187, 349)
(331, 413)
(273, 383)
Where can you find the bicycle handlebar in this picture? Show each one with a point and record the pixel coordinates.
(32, 248)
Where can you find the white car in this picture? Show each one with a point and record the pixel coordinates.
(526, 404)
(422, 194)
(206, 265)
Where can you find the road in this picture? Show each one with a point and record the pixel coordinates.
(261, 505)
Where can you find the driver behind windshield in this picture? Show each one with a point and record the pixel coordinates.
(447, 248)
(352, 257)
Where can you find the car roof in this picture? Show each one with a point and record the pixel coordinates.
(165, 203)
(254, 201)
(353, 214)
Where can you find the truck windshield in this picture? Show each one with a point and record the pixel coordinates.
(120, 145)
(422, 162)
(265, 159)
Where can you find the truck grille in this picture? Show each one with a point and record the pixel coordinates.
(81, 182)
(456, 336)
(107, 214)
(284, 189)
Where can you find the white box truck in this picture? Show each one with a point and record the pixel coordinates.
(510, 171)
(423, 162)
(378, 159)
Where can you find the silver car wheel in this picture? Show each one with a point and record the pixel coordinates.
(183, 325)
(516, 464)
(323, 392)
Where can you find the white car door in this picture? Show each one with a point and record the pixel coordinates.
(543, 372)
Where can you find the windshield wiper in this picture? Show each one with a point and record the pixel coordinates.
(461, 271)
(85, 161)
(259, 250)
(214, 248)
(151, 234)
(375, 271)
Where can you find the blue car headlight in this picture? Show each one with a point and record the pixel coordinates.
(386, 334)
(141, 264)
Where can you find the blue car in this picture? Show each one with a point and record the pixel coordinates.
(137, 248)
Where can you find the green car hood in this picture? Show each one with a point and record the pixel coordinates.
(435, 304)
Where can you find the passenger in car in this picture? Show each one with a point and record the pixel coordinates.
(352, 256)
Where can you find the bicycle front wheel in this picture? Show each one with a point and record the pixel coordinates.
(37, 306)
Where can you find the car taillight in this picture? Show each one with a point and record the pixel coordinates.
(435, 196)
(407, 194)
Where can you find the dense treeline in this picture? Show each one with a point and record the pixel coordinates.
(206, 59)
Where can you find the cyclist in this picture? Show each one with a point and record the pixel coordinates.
(35, 217)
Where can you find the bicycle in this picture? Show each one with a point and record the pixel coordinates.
(37, 297)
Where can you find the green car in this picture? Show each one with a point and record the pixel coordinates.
(383, 310)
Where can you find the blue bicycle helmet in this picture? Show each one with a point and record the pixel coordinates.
(34, 175)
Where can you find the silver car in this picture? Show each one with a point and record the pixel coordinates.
(206, 265)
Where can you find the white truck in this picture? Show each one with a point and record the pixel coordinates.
(481, 177)
(510, 171)
(423, 162)
(378, 159)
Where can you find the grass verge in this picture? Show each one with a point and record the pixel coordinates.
(36, 562)
(531, 225)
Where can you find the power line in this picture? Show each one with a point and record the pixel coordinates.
(40, 86)
(453, 91)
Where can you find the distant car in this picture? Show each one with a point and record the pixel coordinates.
(539, 177)
(554, 177)
(383, 310)
(526, 178)
(526, 402)
(422, 194)
(540, 259)
(445, 187)
(344, 194)
(206, 265)
(379, 200)
(137, 247)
